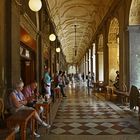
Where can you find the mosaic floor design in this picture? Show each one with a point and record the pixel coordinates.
(88, 114)
(96, 111)
(99, 128)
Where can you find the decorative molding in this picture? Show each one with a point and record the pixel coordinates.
(134, 16)
(87, 15)
(112, 45)
(18, 2)
(28, 25)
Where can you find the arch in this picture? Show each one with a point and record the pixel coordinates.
(113, 31)
(134, 15)
(113, 48)
(72, 69)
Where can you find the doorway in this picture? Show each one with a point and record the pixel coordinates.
(27, 62)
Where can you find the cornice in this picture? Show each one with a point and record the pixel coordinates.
(28, 25)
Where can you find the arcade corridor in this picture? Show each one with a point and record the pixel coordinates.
(94, 38)
(88, 116)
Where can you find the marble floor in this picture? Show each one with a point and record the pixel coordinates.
(87, 115)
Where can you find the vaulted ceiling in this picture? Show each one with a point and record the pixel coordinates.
(76, 22)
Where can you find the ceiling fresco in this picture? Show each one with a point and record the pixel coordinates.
(76, 22)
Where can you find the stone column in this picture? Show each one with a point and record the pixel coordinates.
(15, 43)
(2, 47)
(10, 44)
(85, 64)
(134, 54)
(91, 59)
(100, 66)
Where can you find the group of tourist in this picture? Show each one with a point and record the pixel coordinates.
(58, 80)
(24, 98)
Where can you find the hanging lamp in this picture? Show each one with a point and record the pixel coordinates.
(35, 5)
(75, 47)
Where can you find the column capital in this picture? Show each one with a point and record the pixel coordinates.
(133, 28)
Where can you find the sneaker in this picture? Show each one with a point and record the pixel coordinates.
(36, 135)
(41, 109)
(16, 129)
(45, 124)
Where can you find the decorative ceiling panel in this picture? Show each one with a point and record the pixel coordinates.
(86, 15)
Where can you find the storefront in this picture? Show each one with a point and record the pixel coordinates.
(27, 57)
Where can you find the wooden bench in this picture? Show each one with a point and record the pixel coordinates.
(123, 96)
(7, 134)
(1, 108)
(47, 107)
(57, 92)
(21, 118)
(109, 91)
(99, 86)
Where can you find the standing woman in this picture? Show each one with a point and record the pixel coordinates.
(47, 82)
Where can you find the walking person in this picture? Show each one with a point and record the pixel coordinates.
(61, 83)
(88, 79)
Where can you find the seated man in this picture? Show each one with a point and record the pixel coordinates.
(30, 94)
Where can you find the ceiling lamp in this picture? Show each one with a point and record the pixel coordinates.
(58, 50)
(52, 37)
(75, 47)
(35, 5)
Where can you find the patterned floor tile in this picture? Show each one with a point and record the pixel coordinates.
(91, 124)
(75, 124)
(112, 131)
(76, 131)
(107, 124)
(58, 131)
(91, 114)
(94, 131)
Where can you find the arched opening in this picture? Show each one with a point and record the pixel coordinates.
(113, 49)
(134, 16)
(72, 69)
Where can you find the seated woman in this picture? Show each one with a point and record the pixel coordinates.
(18, 102)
